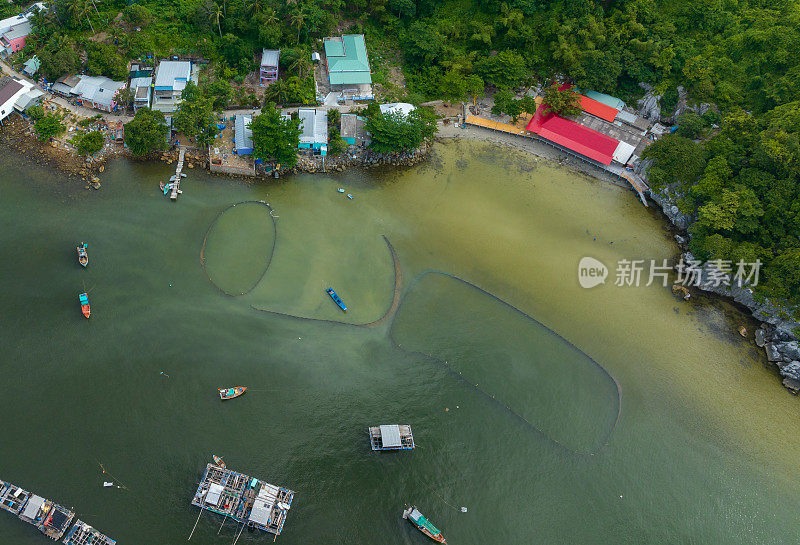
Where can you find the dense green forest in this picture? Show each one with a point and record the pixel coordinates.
(737, 167)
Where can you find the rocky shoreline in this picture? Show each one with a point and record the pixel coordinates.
(778, 332)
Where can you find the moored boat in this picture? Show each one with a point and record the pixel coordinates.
(336, 299)
(423, 524)
(85, 308)
(219, 461)
(83, 257)
(230, 393)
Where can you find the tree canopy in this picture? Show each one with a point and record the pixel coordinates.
(146, 132)
(275, 138)
(393, 131)
(48, 127)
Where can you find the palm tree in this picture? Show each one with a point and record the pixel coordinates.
(79, 9)
(298, 18)
(271, 17)
(256, 7)
(216, 14)
(301, 63)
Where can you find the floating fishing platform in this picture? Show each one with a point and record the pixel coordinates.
(52, 519)
(83, 534)
(391, 437)
(247, 500)
(12, 497)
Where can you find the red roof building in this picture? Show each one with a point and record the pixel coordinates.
(573, 136)
(594, 107)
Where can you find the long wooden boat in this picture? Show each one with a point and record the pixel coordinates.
(423, 524)
(230, 393)
(336, 299)
(218, 461)
(85, 308)
(83, 257)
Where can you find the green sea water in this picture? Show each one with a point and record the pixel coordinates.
(553, 413)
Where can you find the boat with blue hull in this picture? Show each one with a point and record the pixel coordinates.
(336, 299)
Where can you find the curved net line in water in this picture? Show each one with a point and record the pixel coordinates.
(269, 259)
(490, 396)
(393, 306)
(397, 302)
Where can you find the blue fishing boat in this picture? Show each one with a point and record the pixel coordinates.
(336, 299)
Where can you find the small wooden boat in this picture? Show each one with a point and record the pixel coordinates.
(230, 393)
(85, 308)
(83, 257)
(219, 461)
(336, 299)
(423, 524)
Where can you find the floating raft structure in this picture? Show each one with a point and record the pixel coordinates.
(52, 519)
(83, 534)
(245, 499)
(391, 437)
(12, 497)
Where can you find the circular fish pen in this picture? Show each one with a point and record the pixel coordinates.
(238, 247)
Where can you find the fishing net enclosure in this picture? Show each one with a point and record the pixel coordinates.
(238, 247)
(506, 355)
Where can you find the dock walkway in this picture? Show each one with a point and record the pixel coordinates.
(178, 175)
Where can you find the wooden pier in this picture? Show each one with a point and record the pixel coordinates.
(247, 500)
(176, 185)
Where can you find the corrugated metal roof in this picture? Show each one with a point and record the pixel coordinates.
(594, 107)
(573, 136)
(270, 57)
(213, 494)
(173, 74)
(623, 152)
(397, 107)
(390, 436)
(608, 100)
(7, 23)
(8, 88)
(348, 62)
(314, 124)
(627, 117)
(32, 507)
(244, 136)
(32, 65)
(28, 99)
(18, 31)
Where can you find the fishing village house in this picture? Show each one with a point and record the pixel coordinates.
(31, 66)
(16, 95)
(141, 86)
(314, 124)
(97, 92)
(269, 66)
(170, 81)
(243, 135)
(13, 39)
(14, 30)
(352, 130)
(348, 67)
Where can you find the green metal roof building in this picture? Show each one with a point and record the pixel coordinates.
(348, 63)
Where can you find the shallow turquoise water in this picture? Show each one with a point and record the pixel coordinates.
(705, 450)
